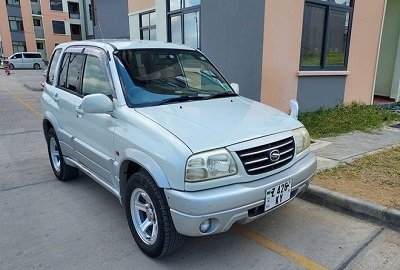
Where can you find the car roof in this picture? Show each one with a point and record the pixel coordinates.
(126, 44)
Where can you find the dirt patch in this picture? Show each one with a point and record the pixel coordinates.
(375, 178)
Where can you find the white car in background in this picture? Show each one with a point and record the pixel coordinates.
(26, 60)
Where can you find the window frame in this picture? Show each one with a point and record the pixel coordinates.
(17, 20)
(85, 51)
(56, 10)
(21, 42)
(329, 6)
(13, 3)
(150, 26)
(181, 12)
(52, 26)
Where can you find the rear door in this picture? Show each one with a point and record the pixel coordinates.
(27, 60)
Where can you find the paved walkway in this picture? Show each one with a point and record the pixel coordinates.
(345, 148)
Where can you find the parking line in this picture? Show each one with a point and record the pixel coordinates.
(24, 103)
(275, 247)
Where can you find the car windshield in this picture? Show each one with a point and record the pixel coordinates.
(153, 77)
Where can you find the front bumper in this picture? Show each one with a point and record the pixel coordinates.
(238, 203)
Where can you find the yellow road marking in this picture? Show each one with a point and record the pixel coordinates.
(275, 247)
(24, 103)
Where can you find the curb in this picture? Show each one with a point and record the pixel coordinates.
(388, 217)
(32, 88)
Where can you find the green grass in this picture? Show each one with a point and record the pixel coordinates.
(344, 119)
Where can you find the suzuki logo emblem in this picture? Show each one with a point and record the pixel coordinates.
(274, 155)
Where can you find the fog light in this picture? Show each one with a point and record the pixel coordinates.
(205, 225)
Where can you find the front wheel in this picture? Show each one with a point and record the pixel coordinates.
(11, 66)
(149, 218)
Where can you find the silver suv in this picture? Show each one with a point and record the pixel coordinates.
(158, 126)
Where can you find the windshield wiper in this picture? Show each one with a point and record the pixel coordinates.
(221, 95)
(179, 99)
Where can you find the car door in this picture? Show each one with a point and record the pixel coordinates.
(27, 60)
(94, 133)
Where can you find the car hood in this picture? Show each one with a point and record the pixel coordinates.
(210, 124)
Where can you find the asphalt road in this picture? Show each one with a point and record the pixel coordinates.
(47, 224)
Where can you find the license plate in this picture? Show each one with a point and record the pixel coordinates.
(277, 195)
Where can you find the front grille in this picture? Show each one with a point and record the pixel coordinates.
(257, 160)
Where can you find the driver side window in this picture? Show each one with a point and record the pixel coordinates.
(95, 79)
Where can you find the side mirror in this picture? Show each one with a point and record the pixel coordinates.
(235, 87)
(96, 103)
(294, 108)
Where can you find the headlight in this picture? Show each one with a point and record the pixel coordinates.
(302, 139)
(209, 165)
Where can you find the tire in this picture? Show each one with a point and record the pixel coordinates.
(36, 66)
(62, 171)
(11, 66)
(143, 190)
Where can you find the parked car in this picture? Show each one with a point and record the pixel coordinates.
(158, 126)
(26, 60)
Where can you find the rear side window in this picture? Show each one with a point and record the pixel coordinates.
(32, 55)
(52, 67)
(70, 73)
(95, 79)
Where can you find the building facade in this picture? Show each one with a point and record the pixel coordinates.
(321, 52)
(111, 19)
(40, 25)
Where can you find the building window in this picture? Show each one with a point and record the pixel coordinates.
(16, 23)
(184, 22)
(56, 5)
(147, 25)
(90, 12)
(73, 10)
(39, 45)
(326, 34)
(37, 22)
(13, 2)
(19, 46)
(58, 27)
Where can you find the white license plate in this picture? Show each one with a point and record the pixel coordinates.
(277, 195)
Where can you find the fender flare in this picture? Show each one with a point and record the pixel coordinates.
(52, 119)
(146, 162)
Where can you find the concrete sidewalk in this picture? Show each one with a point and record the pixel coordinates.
(348, 147)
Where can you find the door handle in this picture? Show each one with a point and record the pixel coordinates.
(79, 111)
(56, 98)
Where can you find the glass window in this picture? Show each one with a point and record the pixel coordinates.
(148, 26)
(95, 79)
(56, 5)
(58, 27)
(36, 22)
(326, 34)
(192, 29)
(19, 46)
(184, 22)
(16, 23)
(71, 71)
(175, 4)
(176, 29)
(39, 45)
(13, 2)
(337, 42)
(160, 76)
(52, 66)
(313, 36)
(17, 56)
(32, 55)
